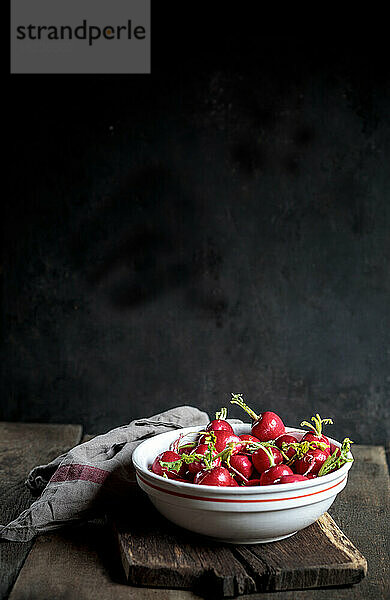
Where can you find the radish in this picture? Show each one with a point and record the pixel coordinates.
(251, 459)
(291, 478)
(186, 447)
(286, 439)
(252, 482)
(241, 465)
(317, 435)
(225, 439)
(311, 462)
(273, 474)
(203, 449)
(250, 443)
(266, 426)
(219, 423)
(318, 439)
(334, 449)
(199, 475)
(169, 464)
(246, 437)
(264, 458)
(222, 439)
(218, 476)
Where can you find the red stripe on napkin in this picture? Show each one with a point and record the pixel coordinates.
(80, 472)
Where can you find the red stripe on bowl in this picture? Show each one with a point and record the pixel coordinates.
(156, 487)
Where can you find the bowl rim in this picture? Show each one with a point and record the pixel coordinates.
(256, 489)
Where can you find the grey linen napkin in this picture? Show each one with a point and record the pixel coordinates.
(92, 477)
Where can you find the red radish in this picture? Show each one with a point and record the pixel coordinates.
(242, 466)
(247, 437)
(317, 435)
(186, 448)
(334, 449)
(251, 459)
(291, 478)
(199, 475)
(264, 458)
(311, 437)
(311, 462)
(222, 439)
(286, 439)
(266, 426)
(198, 465)
(169, 457)
(219, 476)
(219, 423)
(273, 474)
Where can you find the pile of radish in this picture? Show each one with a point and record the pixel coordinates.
(267, 456)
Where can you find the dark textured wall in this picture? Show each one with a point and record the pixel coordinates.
(219, 226)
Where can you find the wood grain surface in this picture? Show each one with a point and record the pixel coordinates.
(157, 554)
(84, 563)
(22, 447)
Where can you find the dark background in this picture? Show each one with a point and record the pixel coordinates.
(219, 226)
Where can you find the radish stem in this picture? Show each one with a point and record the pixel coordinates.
(222, 414)
(237, 399)
(334, 462)
(317, 427)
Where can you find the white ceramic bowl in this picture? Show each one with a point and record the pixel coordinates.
(237, 515)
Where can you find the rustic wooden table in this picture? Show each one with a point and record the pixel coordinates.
(83, 563)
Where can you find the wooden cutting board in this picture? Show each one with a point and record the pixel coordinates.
(156, 553)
